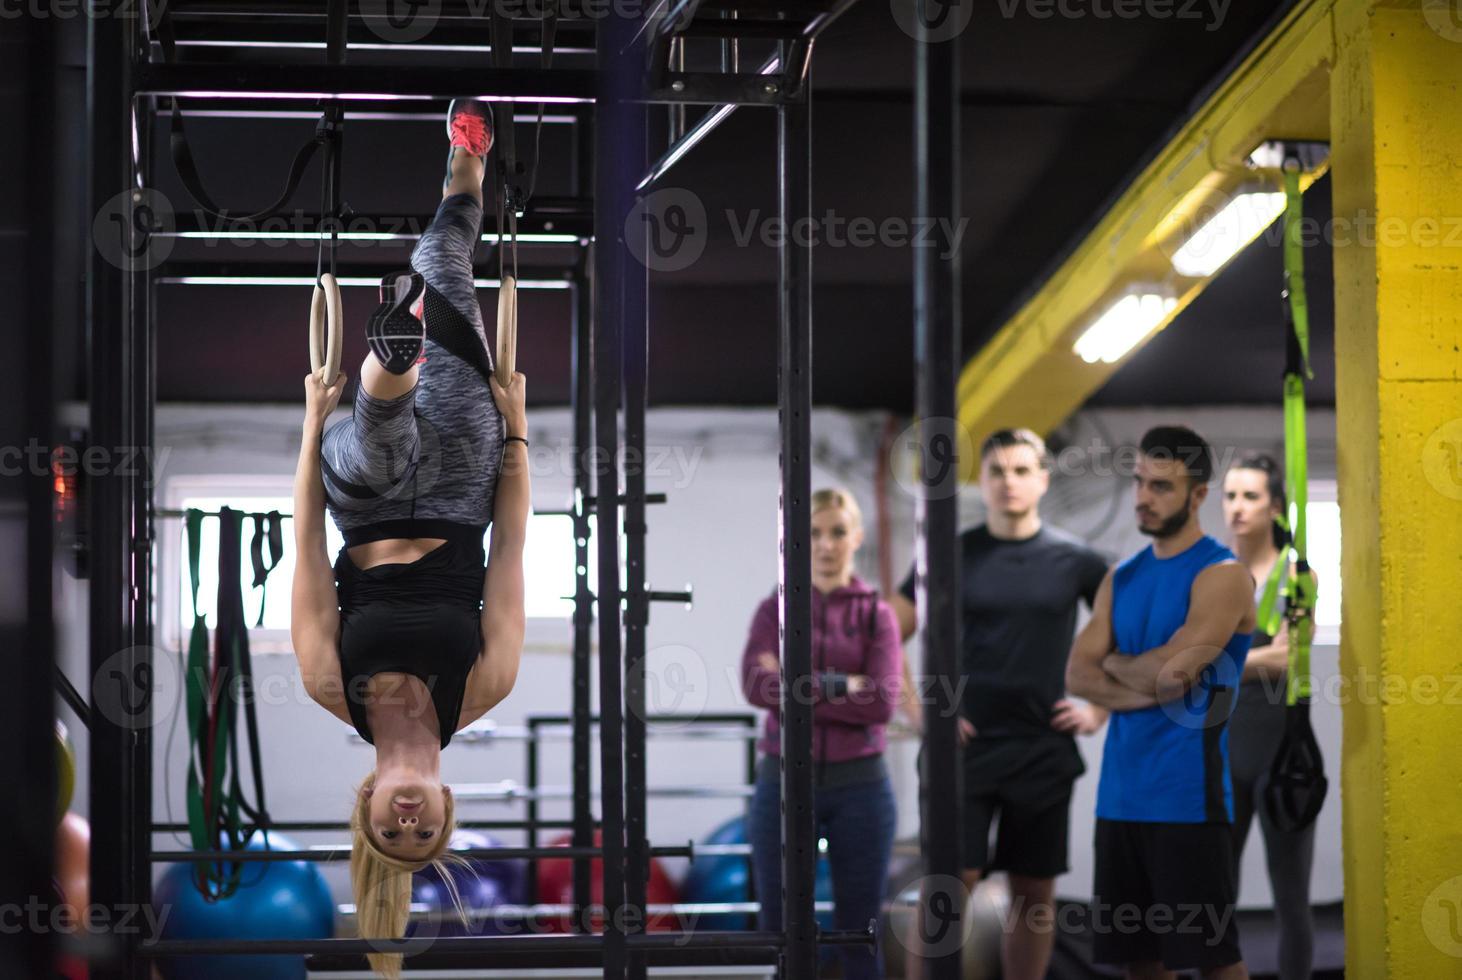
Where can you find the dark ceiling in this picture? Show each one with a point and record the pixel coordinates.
(1059, 113)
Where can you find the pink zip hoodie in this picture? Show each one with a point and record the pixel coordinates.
(853, 632)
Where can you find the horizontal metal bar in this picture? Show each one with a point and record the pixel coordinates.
(420, 912)
(712, 88)
(745, 29)
(650, 498)
(345, 281)
(535, 228)
(703, 127)
(516, 734)
(758, 960)
(364, 82)
(475, 853)
(547, 946)
(323, 826)
(227, 108)
(251, 39)
(349, 272)
(574, 15)
(494, 792)
(710, 717)
(684, 597)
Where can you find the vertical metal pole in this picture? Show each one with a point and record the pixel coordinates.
(120, 671)
(612, 115)
(794, 400)
(936, 345)
(583, 598)
(530, 748)
(637, 607)
(143, 398)
(27, 412)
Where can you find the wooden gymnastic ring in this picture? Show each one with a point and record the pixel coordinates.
(507, 331)
(325, 330)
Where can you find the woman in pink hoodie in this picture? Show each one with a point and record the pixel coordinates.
(856, 678)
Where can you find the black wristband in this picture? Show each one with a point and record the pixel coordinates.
(833, 684)
(516, 439)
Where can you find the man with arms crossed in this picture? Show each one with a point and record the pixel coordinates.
(1163, 650)
(1020, 581)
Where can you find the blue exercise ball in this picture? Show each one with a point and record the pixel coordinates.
(725, 878)
(274, 900)
(482, 885)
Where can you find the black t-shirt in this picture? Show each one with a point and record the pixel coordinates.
(1019, 618)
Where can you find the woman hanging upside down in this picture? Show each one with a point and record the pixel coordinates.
(408, 637)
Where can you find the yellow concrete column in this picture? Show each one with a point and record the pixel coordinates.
(1396, 133)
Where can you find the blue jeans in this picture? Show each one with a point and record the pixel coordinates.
(859, 823)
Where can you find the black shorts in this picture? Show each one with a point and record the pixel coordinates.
(1023, 786)
(1164, 892)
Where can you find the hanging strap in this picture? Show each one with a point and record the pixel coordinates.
(1296, 788)
(178, 140)
(235, 633)
(256, 553)
(197, 695)
(1300, 607)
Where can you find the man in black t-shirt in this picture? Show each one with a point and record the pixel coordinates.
(1020, 583)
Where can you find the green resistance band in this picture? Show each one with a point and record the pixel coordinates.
(208, 734)
(1300, 608)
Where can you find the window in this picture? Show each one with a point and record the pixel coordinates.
(1322, 532)
(548, 566)
(275, 596)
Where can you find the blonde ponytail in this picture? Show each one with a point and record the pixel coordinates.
(381, 883)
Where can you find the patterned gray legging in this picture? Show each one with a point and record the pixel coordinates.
(435, 451)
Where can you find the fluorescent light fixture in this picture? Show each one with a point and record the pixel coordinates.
(1124, 325)
(353, 236)
(320, 46)
(1221, 238)
(365, 96)
(434, 117)
(348, 281)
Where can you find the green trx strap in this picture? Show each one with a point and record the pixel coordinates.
(1296, 788)
(1300, 608)
(210, 725)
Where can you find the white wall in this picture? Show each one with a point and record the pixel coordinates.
(718, 532)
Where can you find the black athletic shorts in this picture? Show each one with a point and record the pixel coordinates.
(1023, 787)
(1164, 892)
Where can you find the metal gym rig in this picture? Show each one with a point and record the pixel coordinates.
(637, 61)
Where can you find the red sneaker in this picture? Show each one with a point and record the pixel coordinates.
(469, 125)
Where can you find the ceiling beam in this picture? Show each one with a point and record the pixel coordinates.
(1027, 374)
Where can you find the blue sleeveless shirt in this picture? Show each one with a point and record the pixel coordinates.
(1169, 763)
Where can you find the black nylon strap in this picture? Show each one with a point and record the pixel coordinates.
(233, 638)
(256, 552)
(183, 155)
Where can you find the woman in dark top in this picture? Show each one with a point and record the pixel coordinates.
(1253, 495)
(408, 637)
